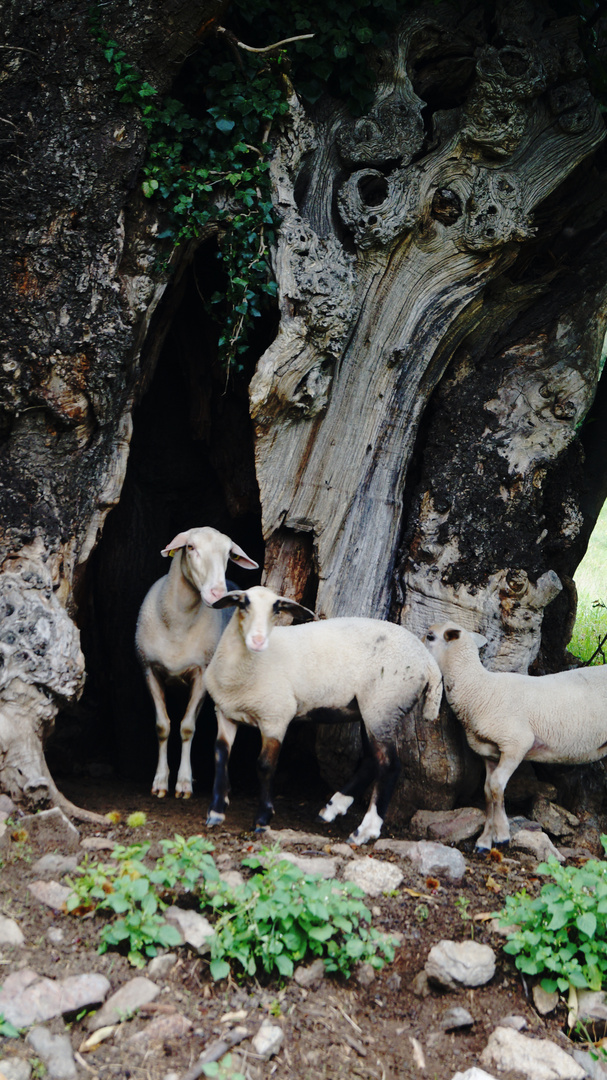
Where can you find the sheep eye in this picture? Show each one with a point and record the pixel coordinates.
(190, 547)
(430, 637)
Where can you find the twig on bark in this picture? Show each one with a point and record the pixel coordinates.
(267, 48)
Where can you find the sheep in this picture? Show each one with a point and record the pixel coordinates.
(177, 632)
(338, 669)
(509, 718)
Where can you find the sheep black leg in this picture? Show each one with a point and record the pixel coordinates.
(266, 767)
(388, 766)
(365, 774)
(221, 784)
(226, 733)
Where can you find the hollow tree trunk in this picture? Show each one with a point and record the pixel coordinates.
(79, 292)
(442, 292)
(410, 245)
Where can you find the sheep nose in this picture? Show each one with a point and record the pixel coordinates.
(258, 641)
(217, 592)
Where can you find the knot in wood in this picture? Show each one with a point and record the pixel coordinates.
(446, 206)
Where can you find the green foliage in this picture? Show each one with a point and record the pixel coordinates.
(127, 890)
(272, 921)
(563, 931)
(280, 916)
(223, 1070)
(7, 1030)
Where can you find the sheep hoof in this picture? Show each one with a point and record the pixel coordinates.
(261, 828)
(213, 818)
(187, 795)
(160, 794)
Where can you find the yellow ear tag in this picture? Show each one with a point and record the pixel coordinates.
(171, 553)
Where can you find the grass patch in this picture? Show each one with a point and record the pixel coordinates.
(591, 582)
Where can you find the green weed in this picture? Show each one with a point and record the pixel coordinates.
(562, 933)
(590, 578)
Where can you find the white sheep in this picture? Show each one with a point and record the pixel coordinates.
(339, 669)
(509, 717)
(177, 633)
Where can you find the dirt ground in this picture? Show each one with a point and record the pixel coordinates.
(343, 1028)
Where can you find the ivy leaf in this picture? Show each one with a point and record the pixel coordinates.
(224, 124)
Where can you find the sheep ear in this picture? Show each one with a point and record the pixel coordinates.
(479, 640)
(295, 609)
(233, 599)
(451, 635)
(180, 541)
(237, 555)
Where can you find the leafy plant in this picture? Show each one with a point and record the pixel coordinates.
(127, 890)
(562, 933)
(462, 904)
(222, 1069)
(7, 1030)
(280, 916)
(270, 922)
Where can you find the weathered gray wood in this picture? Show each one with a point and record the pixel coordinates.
(384, 272)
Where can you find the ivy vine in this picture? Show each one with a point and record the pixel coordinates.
(208, 153)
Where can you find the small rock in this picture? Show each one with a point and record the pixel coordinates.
(51, 830)
(51, 893)
(451, 964)
(393, 982)
(323, 865)
(135, 993)
(365, 975)
(97, 843)
(595, 1070)
(174, 1026)
(592, 1011)
(311, 975)
(10, 933)
(537, 843)
(517, 1022)
(55, 1051)
(545, 1002)
(233, 879)
(7, 805)
(27, 999)
(345, 850)
(55, 935)
(160, 966)
(15, 1069)
(268, 1040)
(456, 1018)
(447, 826)
(55, 864)
(373, 876)
(420, 985)
(473, 1074)
(553, 818)
(195, 929)
(536, 1059)
(292, 836)
(428, 857)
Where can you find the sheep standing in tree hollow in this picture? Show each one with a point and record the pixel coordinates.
(178, 631)
(340, 669)
(509, 717)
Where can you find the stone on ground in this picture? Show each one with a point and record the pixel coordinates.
(373, 876)
(51, 830)
(10, 932)
(428, 857)
(55, 1051)
(26, 998)
(15, 1069)
(447, 826)
(133, 995)
(50, 893)
(193, 927)
(536, 1059)
(452, 964)
(268, 1040)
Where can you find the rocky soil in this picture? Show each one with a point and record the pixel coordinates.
(460, 1011)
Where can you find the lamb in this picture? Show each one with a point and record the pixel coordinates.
(178, 631)
(339, 669)
(509, 718)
